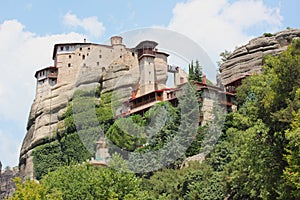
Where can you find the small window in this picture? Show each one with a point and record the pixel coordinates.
(89, 48)
(80, 49)
(132, 53)
(98, 63)
(70, 56)
(69, 64)
(149, 63)
(67, 48)
(120, 56)
(149, 73)
(80, 54)
(87, 54)
(83, 57)
(100, 56)
(61, 48)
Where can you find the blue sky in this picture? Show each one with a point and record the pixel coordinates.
(29, 29)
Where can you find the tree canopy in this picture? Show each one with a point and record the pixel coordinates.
(256, 156)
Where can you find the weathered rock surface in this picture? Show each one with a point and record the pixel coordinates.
(46, 111)
(7, 186)
(247, 59)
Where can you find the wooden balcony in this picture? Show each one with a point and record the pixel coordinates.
(52, 75)
(145, 52)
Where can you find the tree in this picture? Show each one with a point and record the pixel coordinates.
(89, 182)
(263, 145)
(198, 72)
(166, 183)
(291, 176)
(32, 190)
(195, 72)
(290, 188)
(224, 57)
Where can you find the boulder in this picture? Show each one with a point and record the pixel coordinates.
(248, 59)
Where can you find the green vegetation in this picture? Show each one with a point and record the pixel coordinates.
(224, 56)
(263, 130)
(68, 147)
(256, 157)
(195, 72)
(82, 182)
(268, 34)
(64, 151)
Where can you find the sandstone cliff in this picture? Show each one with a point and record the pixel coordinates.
(114, 68)
(46, 112)
(247, 59)
(7, 186)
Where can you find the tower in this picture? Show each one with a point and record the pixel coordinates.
(46, 78)
(116, 40)
(146, 54)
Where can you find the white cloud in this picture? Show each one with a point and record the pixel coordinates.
(21, 54)
(92, 25)
(218, 25)
(9, 148)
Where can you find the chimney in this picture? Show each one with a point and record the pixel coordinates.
(204, 79)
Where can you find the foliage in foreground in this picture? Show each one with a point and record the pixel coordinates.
(82, 182)
(257, 155)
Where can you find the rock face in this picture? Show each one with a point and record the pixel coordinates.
(113, 67)
(247, 59)
(47, 110)
(7, 186)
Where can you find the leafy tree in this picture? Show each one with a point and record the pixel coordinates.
(201, 182)
(161, 126)
(262, 145)
(290, 188)
(254, 169)
(116, 162)
(32, 190)
(166, 184)
(291, 177)
(196, 145)
(197, 181)
(126, 134)
(89, 182)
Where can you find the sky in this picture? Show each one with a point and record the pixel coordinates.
(30, 28)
